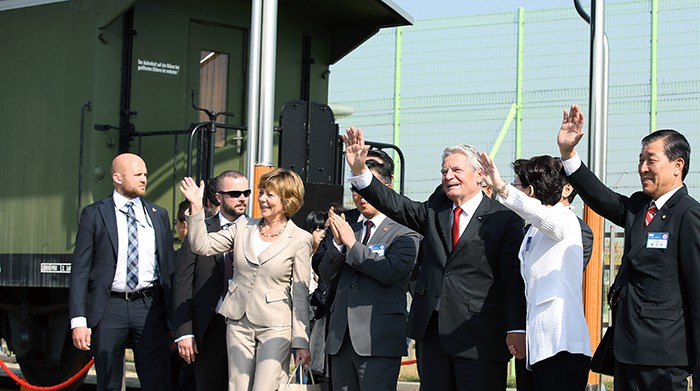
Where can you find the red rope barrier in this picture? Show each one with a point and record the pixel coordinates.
(23, 383)
(408, 362)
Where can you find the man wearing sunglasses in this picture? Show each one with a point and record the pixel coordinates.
(200, 281)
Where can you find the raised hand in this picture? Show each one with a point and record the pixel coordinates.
(492, 177)
(355, 150)
(193, 193)
(570, 132)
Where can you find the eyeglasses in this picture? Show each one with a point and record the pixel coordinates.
(236, 193)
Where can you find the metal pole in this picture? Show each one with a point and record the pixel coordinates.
(597, 142)
(519, 85)
(397, 96)
(598, 124)
(267, 81)
(253, 90)
(654, 57)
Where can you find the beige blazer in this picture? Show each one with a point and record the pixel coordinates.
(271, 289)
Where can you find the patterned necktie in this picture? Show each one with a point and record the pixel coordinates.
(455, 227)
(368, 231)
(651, 211)
(228, 265)
(132, 249)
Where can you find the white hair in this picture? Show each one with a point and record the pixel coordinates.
(467, 150)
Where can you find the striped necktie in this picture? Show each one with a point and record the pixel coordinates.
(651, 211)
(132, 249)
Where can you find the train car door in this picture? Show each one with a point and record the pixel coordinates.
(176, 51)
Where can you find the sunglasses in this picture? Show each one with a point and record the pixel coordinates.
(236, 193)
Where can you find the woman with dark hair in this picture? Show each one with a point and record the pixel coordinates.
(551, 263)
(315, 224)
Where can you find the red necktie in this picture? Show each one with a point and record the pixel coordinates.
(651, 211)
(455, 226)
(368, 231)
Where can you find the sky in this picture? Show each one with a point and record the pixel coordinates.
(426, 9)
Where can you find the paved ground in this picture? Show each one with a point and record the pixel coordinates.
(132, 382)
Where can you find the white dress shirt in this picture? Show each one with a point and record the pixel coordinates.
(147, 249)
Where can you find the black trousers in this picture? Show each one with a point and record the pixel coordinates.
(211, 363)
(352, 372)
(630, 377)
(442, 372)
(564, 371)
(141, 325)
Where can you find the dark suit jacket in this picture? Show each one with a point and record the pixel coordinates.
(586, 241)
(371, 294)
(95, 258)
(657, 320)
(199, 282)
(478, 285)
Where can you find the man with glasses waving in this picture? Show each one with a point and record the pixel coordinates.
(200, 332)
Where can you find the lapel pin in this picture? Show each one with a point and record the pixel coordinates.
(385, 229)
(153, 210)
(663, 217)
(478, 217)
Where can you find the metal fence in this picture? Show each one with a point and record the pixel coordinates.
(454, 80)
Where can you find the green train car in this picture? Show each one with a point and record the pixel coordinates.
(85, 80)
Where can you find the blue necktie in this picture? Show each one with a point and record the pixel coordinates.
(132, 249)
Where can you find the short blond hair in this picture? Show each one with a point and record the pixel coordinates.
(287, 185)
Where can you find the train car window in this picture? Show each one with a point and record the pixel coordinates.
(213, 87)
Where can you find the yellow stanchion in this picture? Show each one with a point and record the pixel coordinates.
(258, 172)
(593, 283)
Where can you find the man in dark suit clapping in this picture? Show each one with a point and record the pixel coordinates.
(656, 295)
(121, 281)
(370, 260)
(468, 306)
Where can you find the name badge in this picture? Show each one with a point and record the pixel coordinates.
(657, 240)
(378, 249)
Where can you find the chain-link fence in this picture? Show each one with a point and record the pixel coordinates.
(453, 80)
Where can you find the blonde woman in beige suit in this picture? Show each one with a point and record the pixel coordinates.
(266, 305)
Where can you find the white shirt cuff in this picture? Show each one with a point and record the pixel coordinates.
(572, 164)
(361, 181)
(517, 331)
(184, 337)
(340, 247)
(78, 321)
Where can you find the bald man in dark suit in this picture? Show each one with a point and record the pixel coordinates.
(121, 281)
